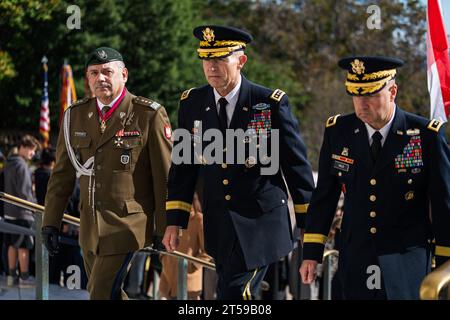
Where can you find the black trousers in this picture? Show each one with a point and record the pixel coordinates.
(235, 282)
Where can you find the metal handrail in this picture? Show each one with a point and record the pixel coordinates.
(42, 254)
(76, 221)
(178, 254)
(35, 207)
(327, 276)
(434, 282)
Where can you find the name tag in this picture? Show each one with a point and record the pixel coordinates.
(80, 134)
(341, 166)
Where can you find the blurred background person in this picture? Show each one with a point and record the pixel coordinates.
(191, 243)
(69, 252)
(18, 182)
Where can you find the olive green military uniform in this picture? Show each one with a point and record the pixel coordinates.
(123, 203)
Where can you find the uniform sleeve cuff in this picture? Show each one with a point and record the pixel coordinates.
(177, 218)
(313, 251)
(301, 220)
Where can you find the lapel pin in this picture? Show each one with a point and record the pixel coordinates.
(90, 114)
(207, 109)
(245, 108)
(356, 130)
(399, 132)
(121, 115)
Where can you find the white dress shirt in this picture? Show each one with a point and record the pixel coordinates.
(384, 131)
(101, 105)
(232, 99)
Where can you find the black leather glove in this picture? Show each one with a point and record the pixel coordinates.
(50, 236)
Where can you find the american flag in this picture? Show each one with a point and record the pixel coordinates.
(44, 121)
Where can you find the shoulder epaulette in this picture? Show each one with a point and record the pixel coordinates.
(147, 102)
(332, 120)
(185, 94)
(81, 101)
(277, 95)
(435, 125)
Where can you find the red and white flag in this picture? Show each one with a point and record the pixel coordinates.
(438, 63)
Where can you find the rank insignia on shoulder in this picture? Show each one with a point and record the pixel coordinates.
(147, 102)
(78, 102)
(435, 125)
(277, 95)
(185, 94)
(332, 121)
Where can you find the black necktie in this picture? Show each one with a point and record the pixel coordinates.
(223, 114)
(105, 110)
(376, 145)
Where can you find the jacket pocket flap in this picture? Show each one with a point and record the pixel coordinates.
(134, 206)
(271, 200)
(81, 142)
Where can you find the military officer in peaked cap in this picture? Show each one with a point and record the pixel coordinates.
(246, 217)
(393, 168)
(119, 146)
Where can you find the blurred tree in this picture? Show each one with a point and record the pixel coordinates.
(296, 46)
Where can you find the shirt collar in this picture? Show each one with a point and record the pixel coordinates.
(384, 131)
(232, 96)
(101, 105)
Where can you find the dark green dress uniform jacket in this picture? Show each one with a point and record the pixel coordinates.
(131, 169)
(239, 203)
(387, 204)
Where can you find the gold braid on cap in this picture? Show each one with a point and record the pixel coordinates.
(380, 74)
(368, 87)
(222, 43)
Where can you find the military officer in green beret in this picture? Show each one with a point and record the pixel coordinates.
(119, 145)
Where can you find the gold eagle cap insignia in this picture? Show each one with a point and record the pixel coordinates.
(358, 66)
(208, 35)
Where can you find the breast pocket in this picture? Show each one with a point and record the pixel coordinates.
(81, 147)
(125, 153)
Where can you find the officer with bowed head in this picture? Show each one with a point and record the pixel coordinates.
(246, 216)
(393, 167)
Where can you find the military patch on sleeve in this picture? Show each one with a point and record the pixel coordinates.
(435, 125)
(147, 102)
(332, 120)
(185, 94)
(277, 95)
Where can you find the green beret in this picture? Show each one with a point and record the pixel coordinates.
(103, 55)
